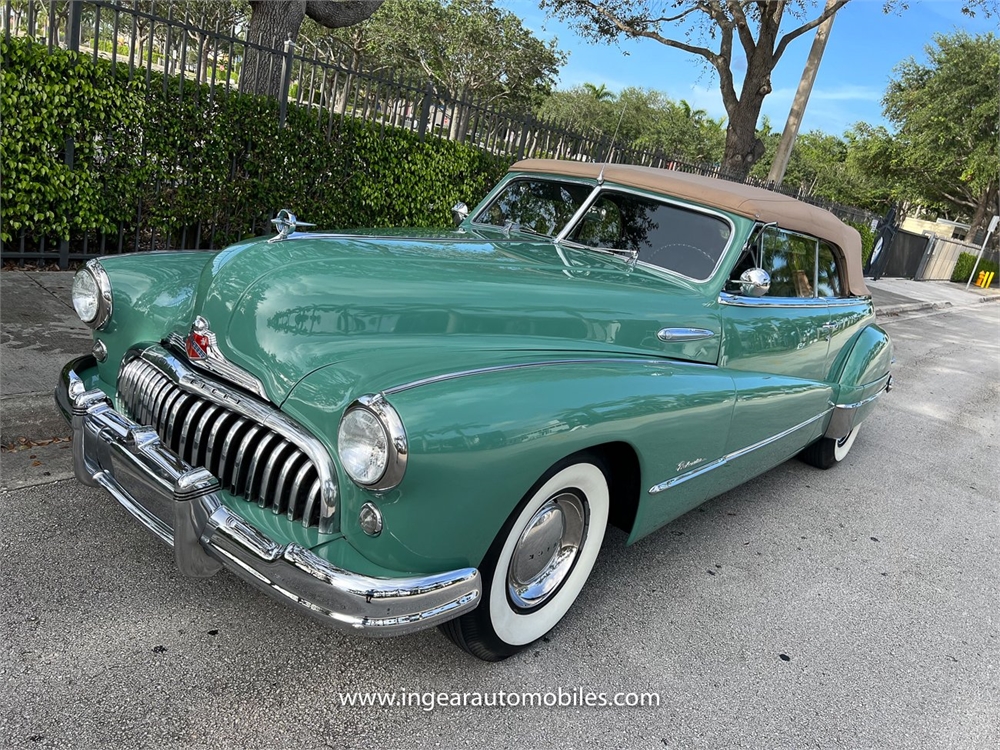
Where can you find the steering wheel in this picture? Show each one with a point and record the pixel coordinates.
(673, 253)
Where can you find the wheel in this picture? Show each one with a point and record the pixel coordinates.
(827, 452)
(538, 563)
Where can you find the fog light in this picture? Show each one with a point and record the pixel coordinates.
(100, 351)
(370, 519)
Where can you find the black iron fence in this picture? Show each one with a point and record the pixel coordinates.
(196, 42)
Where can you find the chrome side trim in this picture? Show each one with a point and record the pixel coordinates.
(525, 365)
(727, 298)
(845, 415)
(686, 476)
(260, 412)
(684, 334)
(181, 506)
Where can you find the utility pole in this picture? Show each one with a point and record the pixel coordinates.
(791, 131)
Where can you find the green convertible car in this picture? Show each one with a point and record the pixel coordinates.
(393, 430)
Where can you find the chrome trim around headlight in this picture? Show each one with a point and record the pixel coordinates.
(395, 465)
(105, 302)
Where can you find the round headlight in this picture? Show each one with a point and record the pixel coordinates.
(85, 296)
(371, 444)
(92, 295)
(364, 446)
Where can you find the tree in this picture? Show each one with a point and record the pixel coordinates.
(644, 119)
(945, 150)
(466, 48)
(272, 22)
(708, 29)
(791, 131)
(720, 21)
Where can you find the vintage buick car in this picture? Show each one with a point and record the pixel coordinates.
(399, 429)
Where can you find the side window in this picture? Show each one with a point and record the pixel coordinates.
(790, 259)
(672, 237)
(829, 283)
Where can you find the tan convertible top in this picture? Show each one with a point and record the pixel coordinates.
(745, 200)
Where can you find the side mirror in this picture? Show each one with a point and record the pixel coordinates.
(459, 212)
(755, 282)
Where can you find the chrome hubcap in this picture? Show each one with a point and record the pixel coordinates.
(547, 550)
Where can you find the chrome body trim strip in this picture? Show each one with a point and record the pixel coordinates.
(845, 415)
(206, 392)
(736, 300)
(719, 462)
(181, 505)
(670, 335)
(543, 363)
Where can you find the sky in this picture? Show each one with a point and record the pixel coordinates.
(863, 48)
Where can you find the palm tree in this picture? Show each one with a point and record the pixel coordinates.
(600, 93)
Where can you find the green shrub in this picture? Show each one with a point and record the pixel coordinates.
(963, 268)
(162, 160)
(867, 240)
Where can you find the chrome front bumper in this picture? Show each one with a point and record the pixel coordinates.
(181, 505)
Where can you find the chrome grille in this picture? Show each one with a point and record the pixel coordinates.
(250, 460)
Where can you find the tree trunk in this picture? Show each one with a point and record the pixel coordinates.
(743, 147)
(986, 208)
(271, 23)
(791, 131)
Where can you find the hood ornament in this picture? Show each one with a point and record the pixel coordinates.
(285, 224)
(202, 349)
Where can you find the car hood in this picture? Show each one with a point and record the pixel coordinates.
(400, 307)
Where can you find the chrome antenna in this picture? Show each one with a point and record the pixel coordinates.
(611, 148)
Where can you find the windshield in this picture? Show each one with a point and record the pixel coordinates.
(534, 205)
(672, 237)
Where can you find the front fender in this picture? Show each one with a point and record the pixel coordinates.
(478, 442)
(153, 293)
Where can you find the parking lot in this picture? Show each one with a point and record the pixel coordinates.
(853, 608)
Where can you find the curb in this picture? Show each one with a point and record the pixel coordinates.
(892, 310)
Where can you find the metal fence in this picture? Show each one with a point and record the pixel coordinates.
(193, 42)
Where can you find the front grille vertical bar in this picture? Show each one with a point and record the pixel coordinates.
(296, 506)
(270, 470)
(280, 504)
(251, 459)
(313, 503)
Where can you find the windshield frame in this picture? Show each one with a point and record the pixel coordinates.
(619, 188)
(561, 238)
(517, 176)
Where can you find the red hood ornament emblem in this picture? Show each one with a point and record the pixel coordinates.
(202, 349)
(199, 341)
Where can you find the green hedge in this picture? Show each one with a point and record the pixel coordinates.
(963, 268)
(157, 160)
(867, 240)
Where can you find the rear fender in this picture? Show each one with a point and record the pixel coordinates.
(864, 377)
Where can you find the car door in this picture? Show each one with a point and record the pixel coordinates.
(776, 347)
(847, 313)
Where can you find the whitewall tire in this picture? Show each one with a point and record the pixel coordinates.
(539, 562)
